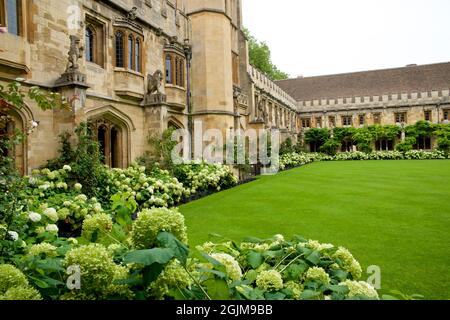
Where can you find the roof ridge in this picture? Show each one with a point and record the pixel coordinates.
(366, 71)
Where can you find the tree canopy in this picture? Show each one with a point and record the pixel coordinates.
(261, 58)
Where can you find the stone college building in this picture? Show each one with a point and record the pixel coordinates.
(136, 67)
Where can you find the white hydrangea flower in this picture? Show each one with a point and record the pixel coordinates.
(52, 228)
(51, 214)
(78, 186)
(67, 168)
(34, 216)
(231, 265)
(14, 235)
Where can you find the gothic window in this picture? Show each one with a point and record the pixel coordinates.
(120, 49)
(168, 69)
(427, 115)
(94, 35)
(346, 121)
(175, 69)
(11, 15)
(137, 56)
(306, 123)
(130, 51)
(89, 44)
(400, 117)
(446, 115)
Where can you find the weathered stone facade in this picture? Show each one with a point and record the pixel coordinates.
(141, 66)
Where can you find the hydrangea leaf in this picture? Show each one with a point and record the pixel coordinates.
(149, 257)
(255, 259)
(217, 289)
(168, 240)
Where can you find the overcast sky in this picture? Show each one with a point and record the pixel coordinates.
(317, 37)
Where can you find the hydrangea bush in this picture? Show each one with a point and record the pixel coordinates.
(198, 176)
(277, 269)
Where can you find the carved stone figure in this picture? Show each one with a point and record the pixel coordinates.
(75, 53)
(132, 14)
(154, 82)
(262, 111)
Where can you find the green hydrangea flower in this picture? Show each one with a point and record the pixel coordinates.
(269, 280)
(232, 266)
(295, 288)
(21, 294)
(360, 288)
(96, 265)
(44, 248)
(152, 222)
(102, 223)
(317, 273)
(11, 277)
(173, 276)
(349, 263)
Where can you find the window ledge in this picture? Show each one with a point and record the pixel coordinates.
(123, 70)
(175, 87)
(94, 66)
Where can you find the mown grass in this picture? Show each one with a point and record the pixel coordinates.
(393, 214)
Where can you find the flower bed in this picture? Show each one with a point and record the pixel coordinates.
(292, 160)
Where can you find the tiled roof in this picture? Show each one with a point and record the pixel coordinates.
(370, 83)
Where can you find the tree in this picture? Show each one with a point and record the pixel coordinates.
(261, 58)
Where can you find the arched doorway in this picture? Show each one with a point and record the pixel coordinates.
(110, 137)
(10, 123)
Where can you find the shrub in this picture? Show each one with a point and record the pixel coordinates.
(151, 222)
(330, 147)
(198, 176)
(276, 269)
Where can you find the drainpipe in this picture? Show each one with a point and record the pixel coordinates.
(188, 54)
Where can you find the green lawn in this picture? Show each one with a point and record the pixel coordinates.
(394, 214)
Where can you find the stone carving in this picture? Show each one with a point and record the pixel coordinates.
(262, 111)
(75, 53)
(72, 75)
(132, 14)
(154, 95)
(154, 82)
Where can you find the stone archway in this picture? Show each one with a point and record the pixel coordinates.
(12, 120)
(113, 132)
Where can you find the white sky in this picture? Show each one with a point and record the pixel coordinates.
(316, 37)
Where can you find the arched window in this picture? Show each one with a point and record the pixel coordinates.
(130, 51)
(169, 69)
(137, 54)
(119, 50)
(89, 44)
